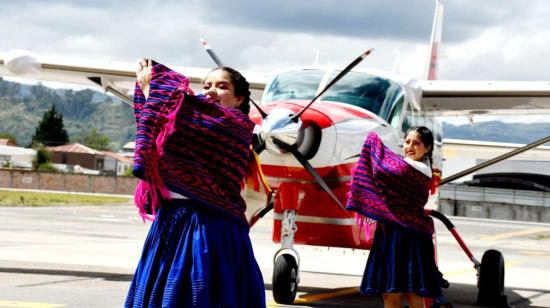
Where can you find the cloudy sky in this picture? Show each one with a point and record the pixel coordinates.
(482, 40)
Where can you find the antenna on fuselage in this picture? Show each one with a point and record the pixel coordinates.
(396, 63)
(435, 42)
(317, 58)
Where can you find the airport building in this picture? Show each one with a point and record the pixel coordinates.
(517, 188)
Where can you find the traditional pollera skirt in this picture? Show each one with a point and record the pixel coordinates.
(401, 260)
(196, 257)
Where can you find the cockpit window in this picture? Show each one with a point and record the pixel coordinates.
(295, 85)
(373, 93)
(369, 92)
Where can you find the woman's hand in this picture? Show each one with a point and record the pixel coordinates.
(144, 74)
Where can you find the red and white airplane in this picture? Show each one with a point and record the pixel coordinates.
(307, 149)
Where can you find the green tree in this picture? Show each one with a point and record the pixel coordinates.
(95, 140)
(41, 161)
(50, 131)
(128, 172)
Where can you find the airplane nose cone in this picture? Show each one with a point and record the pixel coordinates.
(278, 126)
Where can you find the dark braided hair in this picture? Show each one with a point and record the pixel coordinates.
(241, 86)
(427, 138)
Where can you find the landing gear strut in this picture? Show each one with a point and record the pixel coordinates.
(286, 262)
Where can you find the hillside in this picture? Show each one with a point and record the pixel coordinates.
(22, 107)
(498, 131)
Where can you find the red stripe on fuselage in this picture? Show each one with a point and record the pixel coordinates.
(299, 173)
(321, 113)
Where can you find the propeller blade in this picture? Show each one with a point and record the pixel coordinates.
(263, 211)
(262, 113)
(219, 63)
(257, 144)
(333, 81)
(309, 168)
(211, 53)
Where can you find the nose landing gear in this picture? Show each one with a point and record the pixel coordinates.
(286, 267)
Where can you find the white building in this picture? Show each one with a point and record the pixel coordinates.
(16, 157)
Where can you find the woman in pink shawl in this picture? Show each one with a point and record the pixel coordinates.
(191, 156)
(392, 191)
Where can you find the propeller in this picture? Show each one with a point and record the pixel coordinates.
(219, 63)
(283, 123)
(282, 131)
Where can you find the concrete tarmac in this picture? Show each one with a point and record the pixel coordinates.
(85, 257)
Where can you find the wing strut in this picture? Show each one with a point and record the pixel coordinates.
(124, 97)
(495, 160)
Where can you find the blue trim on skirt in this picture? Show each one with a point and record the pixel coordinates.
(194, 257)
(401, 261)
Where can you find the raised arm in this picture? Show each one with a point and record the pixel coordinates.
(152, 99)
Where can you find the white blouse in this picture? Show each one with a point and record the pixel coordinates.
(420, 166)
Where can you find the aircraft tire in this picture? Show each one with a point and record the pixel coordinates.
(285, 279)
(491, 278)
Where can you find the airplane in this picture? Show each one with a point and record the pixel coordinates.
(311, 124)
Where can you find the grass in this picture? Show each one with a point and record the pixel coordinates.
(545, 236)
(23, 198)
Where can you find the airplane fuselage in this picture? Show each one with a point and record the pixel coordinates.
(330, 134)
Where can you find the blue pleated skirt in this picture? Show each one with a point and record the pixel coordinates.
(401, 261)
(195, 257)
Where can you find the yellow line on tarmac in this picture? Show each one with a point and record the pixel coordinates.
(507, 264)
(318, 297)
(321, 296)
(17, 304)
(534, 253)
(514, 234)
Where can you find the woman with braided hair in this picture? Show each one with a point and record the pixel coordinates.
(391, 191)
(191, 156)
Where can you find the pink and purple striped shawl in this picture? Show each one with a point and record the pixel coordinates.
(385, 188)
(190, 145)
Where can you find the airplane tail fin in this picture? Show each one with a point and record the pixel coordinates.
(435, 42)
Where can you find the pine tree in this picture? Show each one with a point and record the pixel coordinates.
(50, 130)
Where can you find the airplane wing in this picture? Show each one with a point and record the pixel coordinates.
(450, 98)
(116, 78)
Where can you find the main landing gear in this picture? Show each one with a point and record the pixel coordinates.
(490, 272)
(490, 281)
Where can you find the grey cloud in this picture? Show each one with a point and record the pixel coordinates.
(403, 20)
(378, 19)
(273, 34)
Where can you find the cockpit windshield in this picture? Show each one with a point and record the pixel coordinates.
(373, 93)
(294, 85)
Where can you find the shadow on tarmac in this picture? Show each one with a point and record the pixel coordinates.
(459, 295)
(55, 272)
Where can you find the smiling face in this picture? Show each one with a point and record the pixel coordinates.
(414, 147)
(218, 87)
